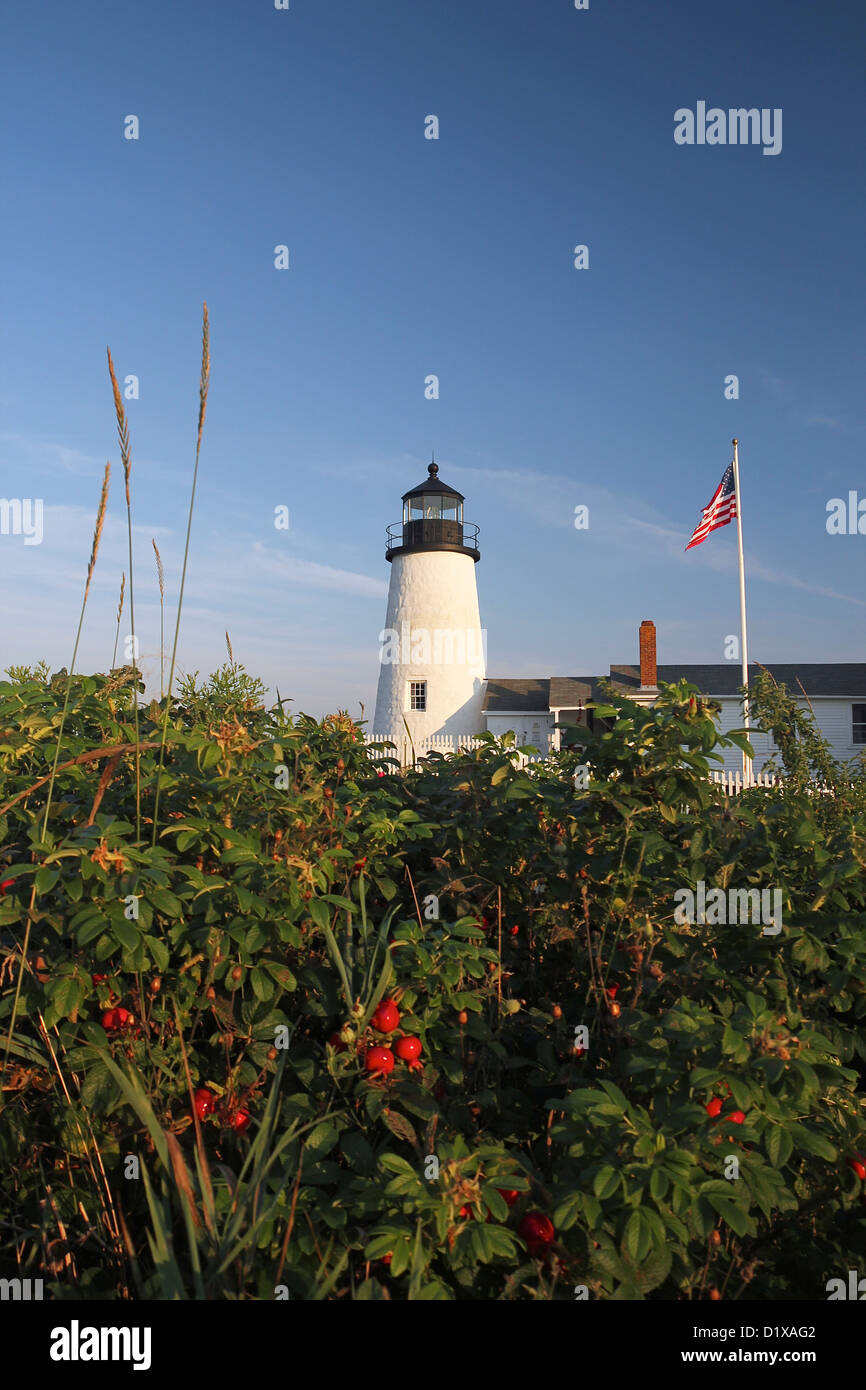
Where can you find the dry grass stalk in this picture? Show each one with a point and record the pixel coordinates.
(203, 390)
(159, 570)
(119, 613)
(97, 530)
(205, 373)
(229, 647)
(123, 439)
(31, 914)
(92, 756)
(499, 948)
(161, 580)
(208, 1202)
(102, 1190)
(122, 426)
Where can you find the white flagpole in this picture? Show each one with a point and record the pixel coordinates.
(744, 643)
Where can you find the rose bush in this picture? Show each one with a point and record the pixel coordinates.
(290, 897)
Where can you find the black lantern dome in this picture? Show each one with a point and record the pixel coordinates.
(432, 520)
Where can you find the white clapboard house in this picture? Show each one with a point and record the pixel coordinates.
(434, 692)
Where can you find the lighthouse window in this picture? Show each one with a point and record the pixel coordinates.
(418, 695)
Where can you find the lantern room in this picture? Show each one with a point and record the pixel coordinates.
(432, 520)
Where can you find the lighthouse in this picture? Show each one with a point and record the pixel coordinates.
(432, 648)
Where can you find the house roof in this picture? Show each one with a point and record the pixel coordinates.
(827, 679)
(569, 691)
(508, 695)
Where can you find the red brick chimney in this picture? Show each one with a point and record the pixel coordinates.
(647, 654)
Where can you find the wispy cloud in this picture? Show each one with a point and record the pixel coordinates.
(723, 558)
(309, 574)
(789, 395)
(550, 498)
(832, 422)
(25, 451)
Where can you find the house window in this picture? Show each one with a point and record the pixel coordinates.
(859, 722)
(418, 695)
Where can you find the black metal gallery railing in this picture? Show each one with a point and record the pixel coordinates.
(432, 531)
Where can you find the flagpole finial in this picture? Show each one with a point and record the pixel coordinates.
(734, 441)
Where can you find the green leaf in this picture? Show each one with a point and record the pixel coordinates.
(436, 1291)
(91, 927)
(395, 1163)
(158, 952)
(734, 1216)
(502, 1242)
(740, 740)
(46, 879)
(387, 887)
(655, 1269)
(658, 1184)
(381, 1244)
(616, 1095)
(779, 1145)
(209, 756)
(566, 1213)
(165, 902)
(605, 1182)
(813, 1143)
(637, 1237)
(358, 1153)
(66, 996)
(128, 935)
(322, 1139)
(263, 985)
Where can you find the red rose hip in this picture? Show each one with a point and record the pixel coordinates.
(407, 1049)
(537, 1230)
(204, 1102)
(379, 1060)
(386, 1017)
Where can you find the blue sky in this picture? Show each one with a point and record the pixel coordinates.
(408, 257)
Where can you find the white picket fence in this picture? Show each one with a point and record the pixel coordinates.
(435, 743)
(731, 782)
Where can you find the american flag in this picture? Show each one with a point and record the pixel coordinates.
(721, 509)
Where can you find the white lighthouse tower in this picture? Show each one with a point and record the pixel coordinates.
(432, 649)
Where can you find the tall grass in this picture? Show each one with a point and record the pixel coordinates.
(220, 1236)
(119, 613)
(94, 551)
(123, 439)
(203, 390)
(161, 579)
